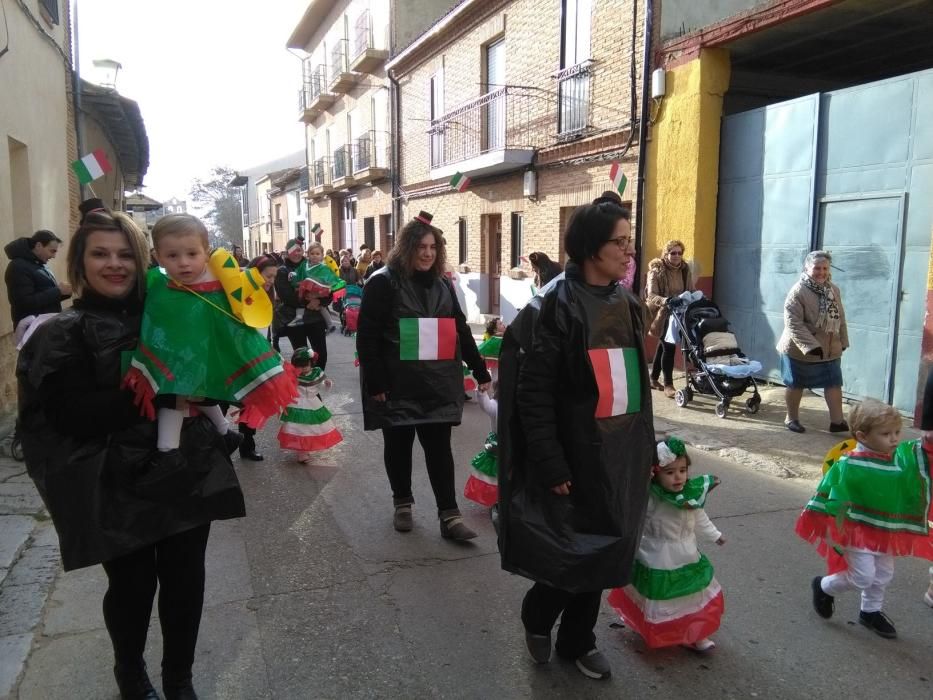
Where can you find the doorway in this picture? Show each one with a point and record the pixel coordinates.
(348, 224)
(493, 227)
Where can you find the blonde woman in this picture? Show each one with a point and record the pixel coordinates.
(668, 276)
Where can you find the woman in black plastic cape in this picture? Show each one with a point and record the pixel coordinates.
(89, 452)
(576, 439)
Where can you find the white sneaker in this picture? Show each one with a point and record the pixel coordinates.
(928, 598)
(703, 645)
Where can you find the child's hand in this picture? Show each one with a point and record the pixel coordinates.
(721, 541)
(328, 383)
(181, 403)
(562, 489)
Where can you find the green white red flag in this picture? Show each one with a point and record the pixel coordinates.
(91, 166)
(427, 338)
(460, 182)
(619, 181)
(618, 379)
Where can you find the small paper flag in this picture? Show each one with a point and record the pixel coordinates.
(460, 182)
(91, 166)
(619, 181)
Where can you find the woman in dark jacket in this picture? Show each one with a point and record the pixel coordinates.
(412, 342)
(544, 268)
(31, 287)
(312, 328)
(90, 455)
(576, 439)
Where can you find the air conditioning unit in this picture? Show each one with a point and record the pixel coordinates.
(530, 184)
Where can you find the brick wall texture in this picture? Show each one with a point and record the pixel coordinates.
(568, 174)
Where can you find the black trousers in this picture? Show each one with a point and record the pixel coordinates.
(664, 360)
(176, 564)
(313, 333)
(435, 441)
(577, 611)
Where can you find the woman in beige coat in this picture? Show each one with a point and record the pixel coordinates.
(813, 341)
(668, 276)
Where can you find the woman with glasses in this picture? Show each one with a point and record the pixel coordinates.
(668, 276)
(576, 439)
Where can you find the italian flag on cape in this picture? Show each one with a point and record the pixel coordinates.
(427, 338)
(618, 378)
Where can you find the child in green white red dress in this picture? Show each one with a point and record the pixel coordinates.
(674, 599)
(872, 505)
(307, 424)
(482, 486)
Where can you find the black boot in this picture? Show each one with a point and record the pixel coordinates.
(133, 682)
(178, 688)
(248, 446)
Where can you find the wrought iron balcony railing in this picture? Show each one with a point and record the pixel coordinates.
(320, 174)
(507, 118)
(371, 150)
(338, 60)
(574, 110)
(343, 162)
(362, 34)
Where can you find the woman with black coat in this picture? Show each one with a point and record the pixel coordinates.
(576, 439)
(311, 328)
(31, 287)
(412, 342)
(90, 455)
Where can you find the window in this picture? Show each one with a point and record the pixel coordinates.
(50, 10)
(495, 108)
(436, 98)
(299, 229)
(574, 79)
(462, 240)
(369, 232)
(518, 225)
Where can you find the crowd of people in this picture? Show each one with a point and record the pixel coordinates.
(134, 463)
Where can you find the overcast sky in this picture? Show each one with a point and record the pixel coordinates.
(213, 79)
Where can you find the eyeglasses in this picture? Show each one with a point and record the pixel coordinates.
(622, 242)
(676, 253)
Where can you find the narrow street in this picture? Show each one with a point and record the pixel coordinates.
(314, 595)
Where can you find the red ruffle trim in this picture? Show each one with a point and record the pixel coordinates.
(269, 399)
(820, 529)
(480, 492)
(684, 630)
(143, 395)
(309, 443)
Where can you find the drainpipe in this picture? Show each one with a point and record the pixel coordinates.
(394, 99)
(643, 140)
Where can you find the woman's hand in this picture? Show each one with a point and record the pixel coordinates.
(381, 398)
(484, 387)
(314, 304)
(562, 489)
(721, 541)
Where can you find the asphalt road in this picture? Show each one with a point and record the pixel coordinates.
(314, 595)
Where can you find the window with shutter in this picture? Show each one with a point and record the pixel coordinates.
(50, 10)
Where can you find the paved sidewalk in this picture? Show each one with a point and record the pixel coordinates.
(29, 564)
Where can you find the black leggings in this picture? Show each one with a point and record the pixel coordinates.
(435, 441)
(177, 565)
(313, 333)
(577, 611)
(664, 359)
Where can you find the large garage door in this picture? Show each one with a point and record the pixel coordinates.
(850, 171)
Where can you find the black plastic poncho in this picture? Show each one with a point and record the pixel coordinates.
(549, 434)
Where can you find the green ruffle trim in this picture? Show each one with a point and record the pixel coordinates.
(307, 416)
(693, 495)
(486, 463)
(665, 584)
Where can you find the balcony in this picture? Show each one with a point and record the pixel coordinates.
(343, 168)
(320, 182)
(574, 113)
(494, 133)
(371, 157)
(341, 79)
(313, 98)
(365, 56)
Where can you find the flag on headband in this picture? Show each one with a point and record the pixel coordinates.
(619, 181)
(460, 182)
(91, 166)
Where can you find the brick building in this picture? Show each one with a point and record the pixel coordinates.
(532, 99)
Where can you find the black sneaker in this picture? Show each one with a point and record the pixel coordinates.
(823, 602)
(539, 646)
(594, 665)
(879, 623)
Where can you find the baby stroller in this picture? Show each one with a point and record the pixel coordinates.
(714, 362)
(350, 311)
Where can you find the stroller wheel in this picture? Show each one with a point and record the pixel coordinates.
(721, 409)
(16, 449)
(752, 404)
(681, 398)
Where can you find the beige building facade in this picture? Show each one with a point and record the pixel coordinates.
(532, 99)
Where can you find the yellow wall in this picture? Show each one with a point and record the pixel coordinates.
(682, 177)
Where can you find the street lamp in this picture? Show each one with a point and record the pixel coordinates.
(107, 69)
